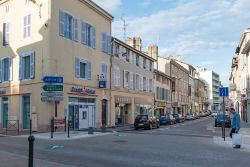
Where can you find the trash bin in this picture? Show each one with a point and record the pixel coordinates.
(91, 130)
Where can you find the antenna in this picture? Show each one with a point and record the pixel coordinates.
(124, 27)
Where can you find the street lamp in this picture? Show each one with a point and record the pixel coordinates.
(39, 6)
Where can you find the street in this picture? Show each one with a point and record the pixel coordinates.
(188, 144)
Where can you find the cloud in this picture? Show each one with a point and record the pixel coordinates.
(203, 63)
(109, 5)
(192, 27)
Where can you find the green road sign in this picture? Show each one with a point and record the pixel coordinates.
(53, 87)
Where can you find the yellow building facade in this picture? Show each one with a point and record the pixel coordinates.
(54, 38)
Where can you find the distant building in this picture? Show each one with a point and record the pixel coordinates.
(213, 80)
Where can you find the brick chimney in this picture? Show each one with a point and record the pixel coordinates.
(135, 42)
(153, 52)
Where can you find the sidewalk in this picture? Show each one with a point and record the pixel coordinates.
(244, 130)
(64, 135)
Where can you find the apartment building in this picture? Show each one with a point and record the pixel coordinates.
(163, 90)
(213, 80)
(239, 77)
(132, 75)
(54, 38)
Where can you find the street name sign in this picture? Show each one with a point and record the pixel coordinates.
(51, 94)
(52, 79)
(51, 99)
(224, 91)
(52, 87)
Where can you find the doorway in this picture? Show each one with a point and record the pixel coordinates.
(26, 112)
(74, 117)
(104, 112)
(5, 111)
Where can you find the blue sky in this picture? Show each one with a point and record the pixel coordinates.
(204, 32)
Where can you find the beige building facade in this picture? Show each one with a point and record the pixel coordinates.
(55, 38)
(132, 83)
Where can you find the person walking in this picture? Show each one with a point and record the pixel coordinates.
(235, 124)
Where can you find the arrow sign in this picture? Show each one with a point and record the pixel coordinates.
(53, 87)
(224, 91)
(52, 79)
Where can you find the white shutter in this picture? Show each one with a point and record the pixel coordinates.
(131, 57)
(24, 27)
(141, 83)
(77, 67)
(118, 77)
(131, 75)
(75, 33)
(61, 23)
(124, 79)
(141, 62)
(32, 65)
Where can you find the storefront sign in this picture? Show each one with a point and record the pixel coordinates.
(2, 91)
(59, 121)
(102, 84)
(160, 104)
(123, 99)
(84, 90)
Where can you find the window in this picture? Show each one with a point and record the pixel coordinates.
(150, 66)
(6, 34)
(27, 26)
(137, 82)
(127, 55)
(27, 66)
(126, 79)
(164, 80)
(117, 76)
(116, 50)
(144, 63)
(158, 78)
(88, 35)
(82, 69)
(106, 43)
(84, 114)
(6, 69)
(137, 60)
(68, 26)
(144, 84)
(150, 85)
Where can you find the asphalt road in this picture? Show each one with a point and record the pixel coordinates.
(188, 144)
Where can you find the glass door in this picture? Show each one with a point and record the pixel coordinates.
(74, 116)
(5, 111)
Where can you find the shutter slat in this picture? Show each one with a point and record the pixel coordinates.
(89, 70)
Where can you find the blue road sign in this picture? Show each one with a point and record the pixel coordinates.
(224, 91)
(102, 84)
(52, 79)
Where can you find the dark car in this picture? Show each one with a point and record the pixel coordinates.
(220, 119)
(146, 122)
(178, 118)
(165, 120)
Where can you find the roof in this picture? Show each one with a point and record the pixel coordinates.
(163, 74)
(133, 49)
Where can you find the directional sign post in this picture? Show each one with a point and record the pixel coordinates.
(53, 87)
(223, 93)
(52, 79)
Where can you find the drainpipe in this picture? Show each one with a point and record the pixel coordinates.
(110, 78)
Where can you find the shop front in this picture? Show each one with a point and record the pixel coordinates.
(143, 106)
(123, 110)
(160, 109)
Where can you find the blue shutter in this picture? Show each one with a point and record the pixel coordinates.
(32, 65)
(75, 29)
(93, 37)
(20, 67)
(77, 67)
(84, 33)
(61, 23)
(89, 70)
(109, 44)
(10, 69)
(104, 69)
(103, 42)
(1, 71)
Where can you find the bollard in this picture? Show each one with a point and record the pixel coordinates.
(91, 130)
(68, 129)
(30, 127)
(52, 128)
(31, 140)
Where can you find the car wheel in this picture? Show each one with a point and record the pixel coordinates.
(158, 125)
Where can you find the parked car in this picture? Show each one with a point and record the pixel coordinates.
(178, 118)
(221, 118)
(202, 114)
(164, 120)
(189, 116)
(146, 122)
(172, 119)
(214, 113)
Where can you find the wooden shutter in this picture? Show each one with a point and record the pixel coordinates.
(10, 69)
(77, 67)
(75, 33)
(89, 70)
(131, 75)
(61, 23)
(21, 67)
(103, 42)
(93, 37)
(84, 30)
(32, 65)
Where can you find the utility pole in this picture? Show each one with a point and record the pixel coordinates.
(124, 27)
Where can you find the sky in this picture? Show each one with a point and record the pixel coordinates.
(204, 32)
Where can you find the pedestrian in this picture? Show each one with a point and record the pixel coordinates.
(235, 124)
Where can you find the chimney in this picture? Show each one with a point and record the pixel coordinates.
(153, 52)
(134, 42)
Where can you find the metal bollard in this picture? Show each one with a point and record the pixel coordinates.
(52, 128)
(31, 140)
(91, 130)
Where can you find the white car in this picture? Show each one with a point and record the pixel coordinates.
(214, 113)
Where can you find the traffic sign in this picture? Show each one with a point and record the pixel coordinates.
(102, 84)
(224, 91)
(50, 94)
(51, 99)
(52, 87)
(52, 79)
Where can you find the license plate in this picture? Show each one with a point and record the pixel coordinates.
(140, 124)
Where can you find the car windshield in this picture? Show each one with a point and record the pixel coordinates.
(222, 116)
(141, 117)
